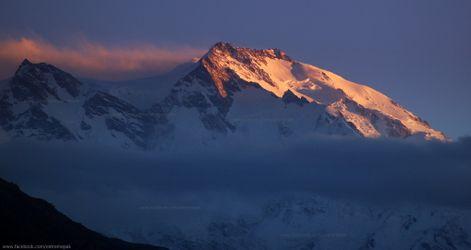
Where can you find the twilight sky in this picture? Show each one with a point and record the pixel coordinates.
(417, 52)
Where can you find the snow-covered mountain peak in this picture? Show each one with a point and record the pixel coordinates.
(43, 82)
(240, 52)
(224, 60)
(25, 62)
(231, 92)
(275, 72)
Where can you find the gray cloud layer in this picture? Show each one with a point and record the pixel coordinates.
(109, 189)
(383, 170)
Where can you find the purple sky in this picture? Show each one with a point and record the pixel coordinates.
(417, 52)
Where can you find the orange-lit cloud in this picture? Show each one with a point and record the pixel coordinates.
(90, 59)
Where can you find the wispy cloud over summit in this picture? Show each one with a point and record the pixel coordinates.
(92, 59)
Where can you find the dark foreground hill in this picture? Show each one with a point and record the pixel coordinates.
(30, 221)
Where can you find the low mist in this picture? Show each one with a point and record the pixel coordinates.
(105, 187)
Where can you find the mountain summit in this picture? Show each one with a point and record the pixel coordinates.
(354, 108)
(230, 92)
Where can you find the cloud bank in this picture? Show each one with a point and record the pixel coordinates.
(95, 60)
(113, 190)
(381, 170)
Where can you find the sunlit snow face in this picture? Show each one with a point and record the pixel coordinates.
(307, 84)
(344, 98)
